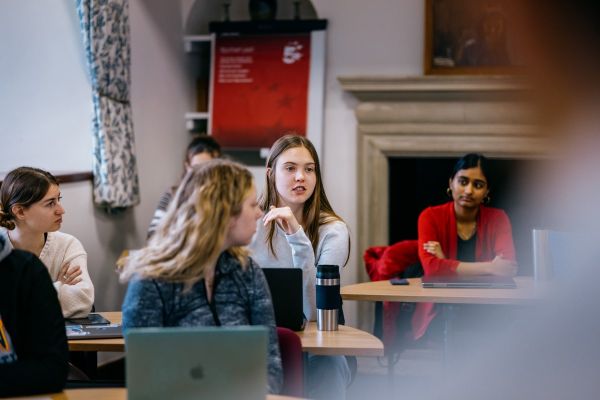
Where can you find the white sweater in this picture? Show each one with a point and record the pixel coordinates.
(295, 251)
(60, 248)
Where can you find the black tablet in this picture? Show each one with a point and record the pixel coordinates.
(91, 319)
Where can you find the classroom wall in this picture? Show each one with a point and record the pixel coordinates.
(45, 94)
(45, 100)
(375, 37)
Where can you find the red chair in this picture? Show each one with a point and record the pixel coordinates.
(290, 348)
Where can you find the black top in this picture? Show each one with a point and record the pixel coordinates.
(32, 318)
(466, 249)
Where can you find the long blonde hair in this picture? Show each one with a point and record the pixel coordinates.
(316, 211)
(190, 237)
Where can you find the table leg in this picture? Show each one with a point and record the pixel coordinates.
(305, 375)
(447, 332)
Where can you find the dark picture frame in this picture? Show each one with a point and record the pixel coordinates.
(470, 37)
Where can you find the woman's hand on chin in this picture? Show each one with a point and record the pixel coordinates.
(503, 267)
(284, 217)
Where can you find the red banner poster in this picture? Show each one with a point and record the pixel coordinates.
(260, 88)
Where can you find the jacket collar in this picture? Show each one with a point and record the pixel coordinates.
(226, 264)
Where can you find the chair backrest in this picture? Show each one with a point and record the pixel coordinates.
(290, 348)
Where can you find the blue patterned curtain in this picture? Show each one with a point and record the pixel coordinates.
(105, 31)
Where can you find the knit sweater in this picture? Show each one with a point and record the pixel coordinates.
(296, 251)
(33, 344)
(240, 296)
(59, 249)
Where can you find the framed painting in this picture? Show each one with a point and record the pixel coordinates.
(470, 37)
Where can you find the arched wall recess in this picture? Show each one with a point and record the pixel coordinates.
(198, 13)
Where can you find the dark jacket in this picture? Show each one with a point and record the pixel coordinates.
(33, 344)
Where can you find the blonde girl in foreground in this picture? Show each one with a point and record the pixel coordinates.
(195, 270)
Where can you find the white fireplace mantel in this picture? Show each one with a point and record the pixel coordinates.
(432, 116)
(377, 88)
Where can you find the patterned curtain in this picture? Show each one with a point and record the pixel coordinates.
(105, 30)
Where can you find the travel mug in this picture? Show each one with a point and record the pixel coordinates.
(541, 256)
(328, 297)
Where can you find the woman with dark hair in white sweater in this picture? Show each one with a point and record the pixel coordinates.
(31, 215)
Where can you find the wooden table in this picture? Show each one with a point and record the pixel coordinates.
(345, 341)
(106, 394)
(525, 292)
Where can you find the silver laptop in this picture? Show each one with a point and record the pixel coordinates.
(196, 363)
(462, 281)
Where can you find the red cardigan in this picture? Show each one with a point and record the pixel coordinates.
(438, 223)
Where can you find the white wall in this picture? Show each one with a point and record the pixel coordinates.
(45, 114)
(45, 99)
(375, 37)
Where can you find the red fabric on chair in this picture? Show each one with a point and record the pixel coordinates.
(290, 348)
(385, 262)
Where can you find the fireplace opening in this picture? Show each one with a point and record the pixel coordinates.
(418, 182)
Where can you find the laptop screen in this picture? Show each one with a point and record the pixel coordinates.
(285, 285)
(227, 362)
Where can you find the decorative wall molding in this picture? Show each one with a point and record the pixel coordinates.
(65, 177)
(378, 88)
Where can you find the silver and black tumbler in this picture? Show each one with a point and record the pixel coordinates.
(328, 297)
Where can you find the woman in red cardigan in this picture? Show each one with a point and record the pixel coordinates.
(464, 236)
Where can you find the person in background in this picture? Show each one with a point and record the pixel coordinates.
(464, 236)
(195, 270)
(31, 215)
(301, 230)
(201, 149)
(33, 343)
